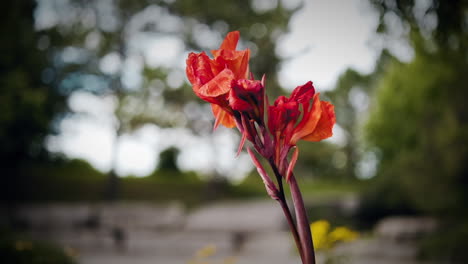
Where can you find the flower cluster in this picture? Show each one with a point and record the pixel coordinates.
(239, 100)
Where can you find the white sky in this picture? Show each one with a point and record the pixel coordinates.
(326, 37)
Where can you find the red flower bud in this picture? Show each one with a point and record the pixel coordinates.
(246, 95)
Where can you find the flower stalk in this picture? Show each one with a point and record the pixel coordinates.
(271, 131)
(302, 222)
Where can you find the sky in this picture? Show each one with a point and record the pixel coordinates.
(327, 36)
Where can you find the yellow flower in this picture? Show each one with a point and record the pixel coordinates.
(206, 251)
(202, 255)
(320, 234)
(343, 234)
(324, 239)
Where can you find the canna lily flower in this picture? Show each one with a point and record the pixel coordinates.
(212, 79)
(288, 125)
(316, 121)
(238, 100)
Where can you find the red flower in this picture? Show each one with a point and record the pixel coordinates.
(288, 126)
(317, 120)
(283, 114)
(247, 96)
(212, 79)
(318, 117)
(239, 101)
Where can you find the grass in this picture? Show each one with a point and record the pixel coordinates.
(77, 181)
(310, 188)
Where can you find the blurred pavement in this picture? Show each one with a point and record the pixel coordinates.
(248, 232)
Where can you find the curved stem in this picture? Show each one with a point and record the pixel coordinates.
(292, 226)
(286, 211)
(303, 227)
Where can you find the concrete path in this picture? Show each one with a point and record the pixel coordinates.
(250, 232)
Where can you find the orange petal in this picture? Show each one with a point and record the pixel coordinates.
(241, 143)
(219, 85)
(308, 123)
(325, 125)
(243, 70)
(236, 61)
(292, 163)
(230, 41)
(222, 117)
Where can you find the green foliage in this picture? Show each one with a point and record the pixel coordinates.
(313, 189)
(62, 180)
(443, 22)
(419, 126)
(19, 250)
(77, 181)
(27, 104)
(322, 160)
(190, 191)
(448, 244)
(382, 197)
(29, 101)
(123, 29)
(340, 162)
(168, 160)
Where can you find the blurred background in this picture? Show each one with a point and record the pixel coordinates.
(108, 157)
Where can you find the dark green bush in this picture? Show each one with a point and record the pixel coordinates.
(16, 250)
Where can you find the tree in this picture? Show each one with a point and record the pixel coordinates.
(419, 121)
(29, 100)
(168, 160)
(419, 103)
(351, 97)
(102, 51)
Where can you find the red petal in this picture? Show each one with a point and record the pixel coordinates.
(324, 127)
(198, 70)
(282, 113)
(303, 94)
(246, 95)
